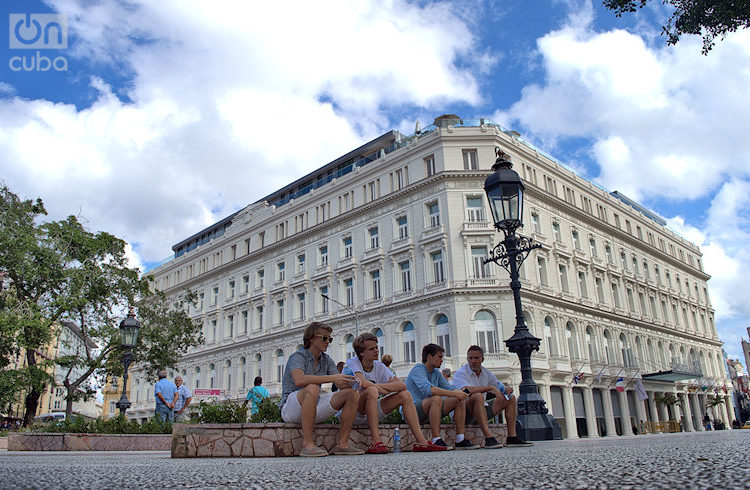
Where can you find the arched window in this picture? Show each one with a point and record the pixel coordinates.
(625, 352)
(651, 354)
(381, 341)
(211, 375)
(257, 368)
(486, 327)
(662, 358)
(591, 344)
(243, 376)
(443, 334)
(549, 334)
(349, 340)
(279, 361)
(639, 352)
(410, 343)
(228, 375)
(608, 347)
(570, 336)
(197, 377)
(672, 354)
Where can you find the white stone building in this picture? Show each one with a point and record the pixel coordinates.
(398, 229)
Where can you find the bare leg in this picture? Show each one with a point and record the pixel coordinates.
(370, 397)
(404, 400)
(347, 401)
(475, 405)
(511, 412)
(432, 406)
(308, 400)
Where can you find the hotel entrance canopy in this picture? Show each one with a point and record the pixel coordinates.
(679, 371)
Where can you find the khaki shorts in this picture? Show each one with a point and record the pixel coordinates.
(291, 412)
(361, 418)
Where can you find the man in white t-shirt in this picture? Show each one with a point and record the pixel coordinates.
(477, 381)
(376, 380)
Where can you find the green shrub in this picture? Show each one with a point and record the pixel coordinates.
(114, 425)
(219, 412)
(393, 418)
(268, 411)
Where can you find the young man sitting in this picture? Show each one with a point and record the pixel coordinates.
(375, 379)
(434, 397)
(301, 401)
(478, 381)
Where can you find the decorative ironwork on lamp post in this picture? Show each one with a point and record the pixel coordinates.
(504, 191)
(129, 327)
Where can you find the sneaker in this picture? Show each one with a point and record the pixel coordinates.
(378, 448)
(429, 447)
(516, 442)
(346, 451)
(491, 443)
(466, 444)
(440, 442)
(313, 452)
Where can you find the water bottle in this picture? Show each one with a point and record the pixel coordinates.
(396, 442)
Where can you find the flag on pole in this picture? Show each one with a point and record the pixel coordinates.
(640, 391)
(620, 385)
(576, 378)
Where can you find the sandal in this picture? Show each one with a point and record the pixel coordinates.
(378, 448)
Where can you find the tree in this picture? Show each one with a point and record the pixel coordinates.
(709, 18)
(69, 288)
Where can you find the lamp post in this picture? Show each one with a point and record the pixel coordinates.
(350, 310)
(505, 194)
(129, 327)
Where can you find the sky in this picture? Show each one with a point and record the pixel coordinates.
(151, 120)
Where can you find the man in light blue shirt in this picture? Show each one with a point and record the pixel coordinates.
(256, 395)
(165, 393)
(434, 397)
(184, 397)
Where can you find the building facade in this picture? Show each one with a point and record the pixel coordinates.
(397, 232)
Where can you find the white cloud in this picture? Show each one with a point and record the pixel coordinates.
(221, 93)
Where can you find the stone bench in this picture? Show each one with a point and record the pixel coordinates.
(30, 441)
(280, 439)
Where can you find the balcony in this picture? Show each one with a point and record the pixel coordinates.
(482, 282)
(477, 228)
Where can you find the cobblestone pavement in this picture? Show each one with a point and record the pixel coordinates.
(687, 460)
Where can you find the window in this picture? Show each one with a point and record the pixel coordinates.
(347, 241)
(215, 299)
(591, 344)
(475, 209)
(410, 343)
(213, 330)
(280, 311)
(429, 164)
(570, 337)
(549, 326)
(324, 301)
(635, 265)
(230, 292)
(243, 372)
(301, 264)
(211, 375)
(582, 284)
(438, 274)
(261, 277)
(230, 326)
(381, 341)
(301, 305)
(244, 321)
(608, 254)
(623, 261)
(279, 361)
(478, 255)
(403, 227)
(349, 341)
(599, 289)
(434, 212)
(642, 302)
(631, 301)
(592, 247)
(349, 290)
(258, 365)
(246, 283)
(541, 266)
(374, 238)
(323, 253)
(443, 334)
(556, 231)
(563, 270)
(405, 276)
(535, 224)
(228, 371)
(485, 325)
(652, 301)
(645, 269)
(375, 285)
(470, 160)
(576, 240)
(664, 310)
(201, 298)
(197, 377)
(281, 269)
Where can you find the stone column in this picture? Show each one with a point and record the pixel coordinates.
(697, 411)
(728, 399)
(609, 414)
(627, 428)
(570, 413)
(663, 413)
(545, 391)
(688, 412)
(588, 405)
(652, 407)
(640, 412)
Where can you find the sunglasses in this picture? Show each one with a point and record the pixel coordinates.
(325, 338)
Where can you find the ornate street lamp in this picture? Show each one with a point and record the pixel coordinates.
(129, 327)
(505, 193)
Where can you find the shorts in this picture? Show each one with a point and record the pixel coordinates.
(291, 412)
(361, 418)
(470, 420)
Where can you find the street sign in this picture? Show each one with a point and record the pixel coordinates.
(207, 392)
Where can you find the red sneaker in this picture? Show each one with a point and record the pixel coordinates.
(429, 447)
(378, 448)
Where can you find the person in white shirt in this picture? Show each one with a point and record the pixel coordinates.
(477, 381)
(381, 392)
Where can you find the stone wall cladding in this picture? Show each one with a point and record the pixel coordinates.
(3, 443)
(279, 439)
(89, 442)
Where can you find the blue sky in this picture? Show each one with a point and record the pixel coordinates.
(169, 111)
